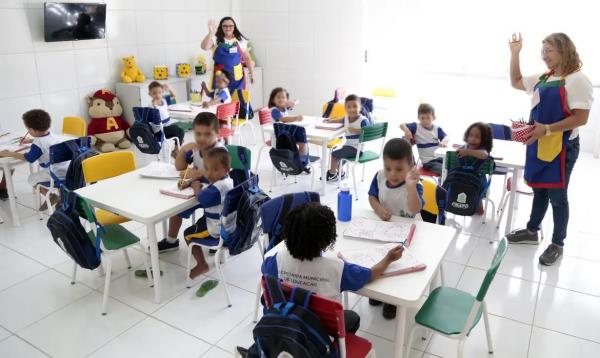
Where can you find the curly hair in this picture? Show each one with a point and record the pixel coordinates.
(309, 230)
(487, 139)
(37, 119)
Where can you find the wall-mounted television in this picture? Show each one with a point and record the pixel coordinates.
(74, 21)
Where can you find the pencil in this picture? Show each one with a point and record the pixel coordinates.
(23, 138)
(184, 175)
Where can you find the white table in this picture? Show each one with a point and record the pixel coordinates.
(139, 199)
(183, 116)
(506, 154)
(317, 136)
(7, 166)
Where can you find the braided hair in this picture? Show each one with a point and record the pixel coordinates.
(309, 230)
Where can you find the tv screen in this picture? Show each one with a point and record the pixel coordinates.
(74, 21)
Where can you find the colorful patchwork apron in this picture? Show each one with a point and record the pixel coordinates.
(545, 160)
(229, 58)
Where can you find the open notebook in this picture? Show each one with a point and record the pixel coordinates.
(159, 170)
(330, 126)
(378, 230)
(173, 190)
(369, 257)
(180, 108)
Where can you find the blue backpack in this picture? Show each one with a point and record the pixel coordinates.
(146, 132)
(76, 150)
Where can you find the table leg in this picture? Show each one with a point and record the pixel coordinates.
(511, 203)
(324, 166)
(12, 200)
(400, 331)
(154, 260)
(444, 171)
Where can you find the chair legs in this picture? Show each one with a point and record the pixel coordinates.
(74, 276)
(127, 259)
(257, 302)
(188, 266)
(222, 275)
(354, 180)
(408, 343)
(108, 262)
(488, 333)
(260, 150)
(461, 348)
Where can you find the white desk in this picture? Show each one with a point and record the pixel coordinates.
(194, 110)
(7, 165)
(139, 199)
(506, 154)
(315, 135)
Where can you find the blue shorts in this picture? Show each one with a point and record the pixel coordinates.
(198, 233)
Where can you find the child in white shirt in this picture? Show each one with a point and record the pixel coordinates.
(157, 92)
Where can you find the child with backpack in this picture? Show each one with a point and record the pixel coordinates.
(206, 131)
(156, 91)
(353, 123)
(396, 190)
(217, 163)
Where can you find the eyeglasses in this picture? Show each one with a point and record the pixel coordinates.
(228, 26)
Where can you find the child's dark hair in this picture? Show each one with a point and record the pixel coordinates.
(221, 155)
(221, 34)
(352, 97)
(274, 93)
(154, 84)
(37, 119)
(207, 119)
(309, 230)
(425, 108)
(398, 149)
(487, 139)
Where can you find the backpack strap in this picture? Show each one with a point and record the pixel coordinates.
(285, 207)
(301, 297)
(313, 197)
(274, 289)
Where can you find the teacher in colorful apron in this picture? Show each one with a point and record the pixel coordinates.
(230, 52)
(561, 102)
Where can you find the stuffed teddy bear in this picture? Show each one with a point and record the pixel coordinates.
(131, 73)
(107, 128)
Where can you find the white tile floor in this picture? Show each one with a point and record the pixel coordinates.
(535, 311)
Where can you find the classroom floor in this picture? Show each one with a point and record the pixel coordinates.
(535, 312)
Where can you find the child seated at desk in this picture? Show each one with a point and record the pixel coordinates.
(206, 130)
(156, 91)
(217, 163)
(395, 190)
(221, 94)
(309, 230)
(37, 122)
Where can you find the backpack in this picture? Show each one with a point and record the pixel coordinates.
(75, 150)
(285, 155)
(70, 236)
(289, 326)
(146, 132)
(464, 188)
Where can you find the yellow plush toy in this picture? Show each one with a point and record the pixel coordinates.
(131, 73)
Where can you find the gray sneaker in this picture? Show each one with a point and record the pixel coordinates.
(522, 236)
(551, 255)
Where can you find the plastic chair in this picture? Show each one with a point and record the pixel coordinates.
(74, 126)
(454, 313)
(113, 238)
(243, 97)
(104, 166)
(367, 134)
(334, 110)
(331, 314)
(264, 118)
(241, 162)
(226, 113)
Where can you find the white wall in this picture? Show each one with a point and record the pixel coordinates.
(57, 76)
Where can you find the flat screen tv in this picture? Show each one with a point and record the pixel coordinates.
(74, 21)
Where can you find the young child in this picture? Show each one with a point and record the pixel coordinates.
(206, 130)
(280, 104)
(217, 163)
(395, 190)
(37, 122)
(221, 94)
(157, 91)
(427, 136)
(309, 230)
(353, 122)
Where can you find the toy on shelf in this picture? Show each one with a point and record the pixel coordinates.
(161, 72)
(131, 73)
(108, 130)
(200, 66)
(183, 70)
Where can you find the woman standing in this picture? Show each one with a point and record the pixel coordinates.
(230, 52)
(561, 99)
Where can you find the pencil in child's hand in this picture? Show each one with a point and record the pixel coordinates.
(23, 138)
(184, 176)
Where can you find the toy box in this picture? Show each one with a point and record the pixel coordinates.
(183, 69)
(161, 72)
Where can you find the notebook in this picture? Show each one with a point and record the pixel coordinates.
(180, 108)
(369, 257)
(159, 170)
(330, 126)
(173, 190)
(378, 230)
(14, 147)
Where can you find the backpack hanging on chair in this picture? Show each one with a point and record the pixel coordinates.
(465, 187)
(146, 133)
(285, 155)
(76, 150)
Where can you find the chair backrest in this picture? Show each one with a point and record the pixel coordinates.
(333, 110)
(501, 131)
(264, 116)
(330, 312)
(228, 110)
(373, 132)
(491, 272)
(74, 126)
(62, 152)
(452, 161)
(429, 190)
(241, 157)
(107, 165)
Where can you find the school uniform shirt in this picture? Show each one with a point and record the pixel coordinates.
(352, 139)
(427, 140)
(165, 116)
(222, 94)
(579, 92)
(277, 114)
(211, 199)
(327, 276)
(194, 156)
(393, 198)
(40, 152)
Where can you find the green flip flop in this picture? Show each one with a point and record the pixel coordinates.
(205, 287)
(142, 273)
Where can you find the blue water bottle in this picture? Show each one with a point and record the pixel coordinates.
(344, 203)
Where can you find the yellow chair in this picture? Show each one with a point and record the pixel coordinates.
(429, 188)
(104, 166)
(74, 126)
(338, 111)
(384, 92)
(242, 96)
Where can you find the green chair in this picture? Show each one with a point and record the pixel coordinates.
(367, 134)
(454, 313)
(114, 238)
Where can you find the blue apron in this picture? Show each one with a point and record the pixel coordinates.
(229, 58)
(545, 159)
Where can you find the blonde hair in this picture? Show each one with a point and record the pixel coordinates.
(570, 61)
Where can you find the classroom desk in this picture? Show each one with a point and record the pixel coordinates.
(139, 199)
(506, 154)
(317, 136)
(183, 116)
(7, 166)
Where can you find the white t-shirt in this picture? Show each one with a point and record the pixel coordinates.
(243, 42)
(579, 91)
(165, 116)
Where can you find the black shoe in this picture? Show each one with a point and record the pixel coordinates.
(242, 352)
(551, 255)
(307, 169)
(212, 252)
(3, 194)
(522, 236)
(389, 311)
(332, 176)
(373, 302)
(165, 246)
